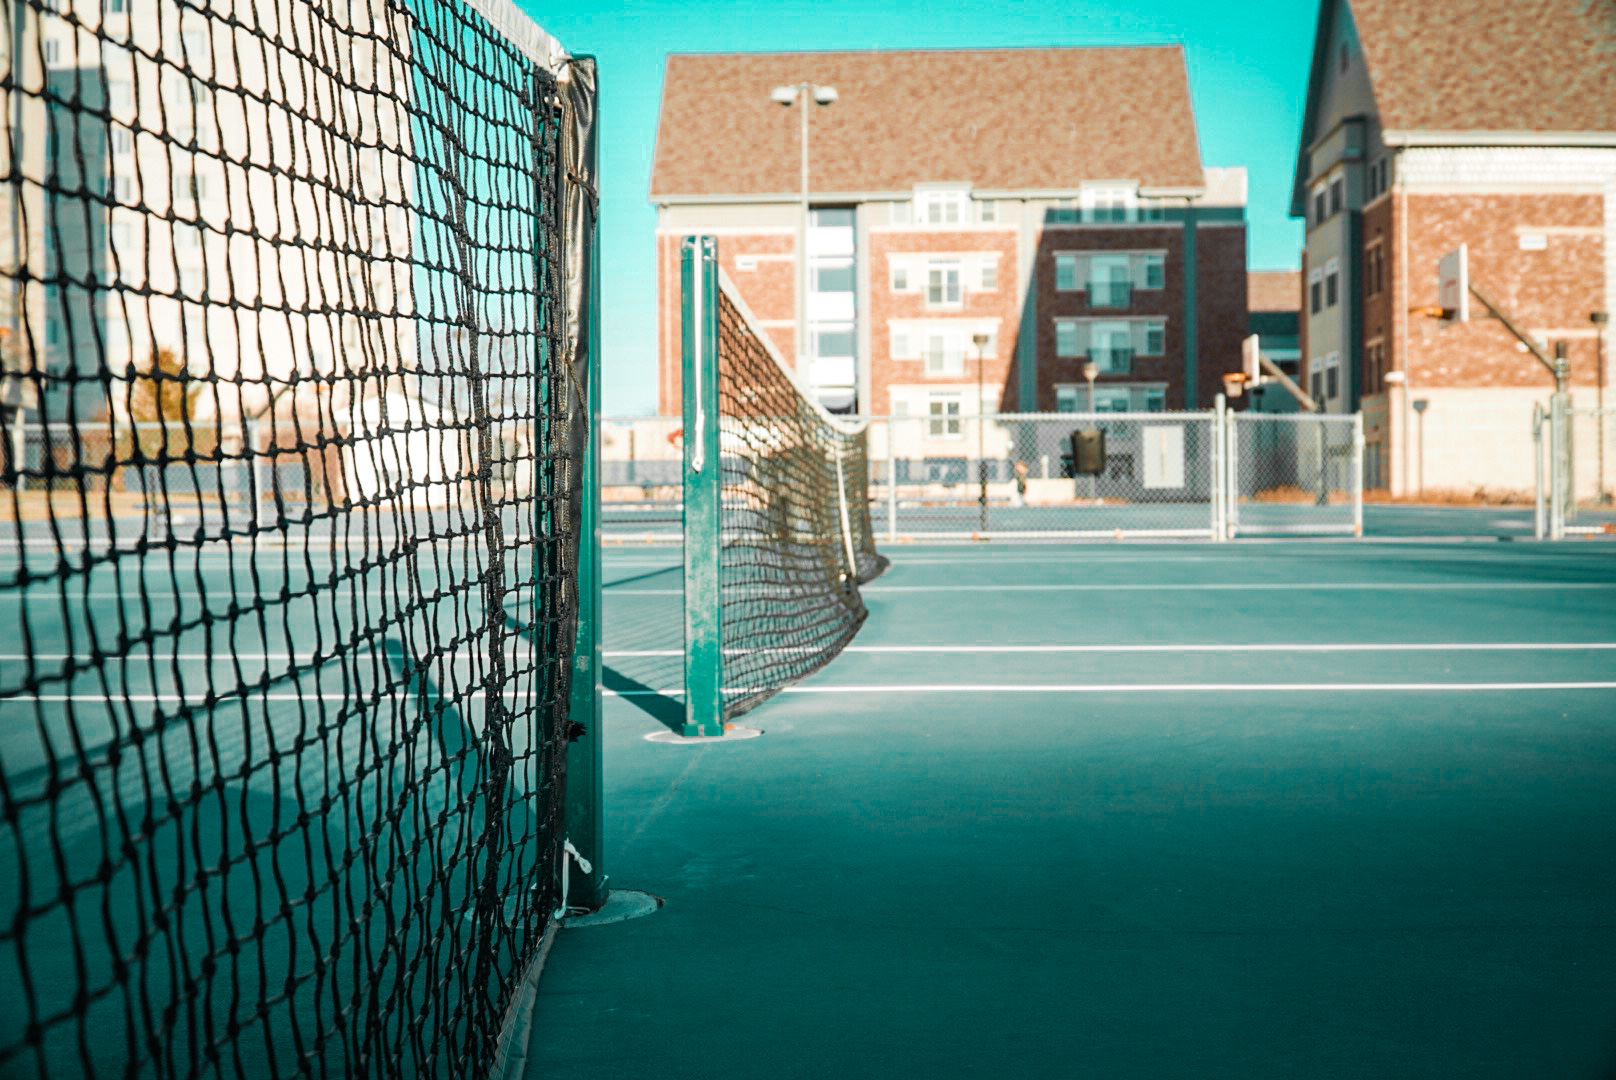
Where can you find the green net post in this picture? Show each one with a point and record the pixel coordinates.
(585, 809)
(704, 655)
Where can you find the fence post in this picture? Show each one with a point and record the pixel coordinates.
(1220, 476)
(1540, 513)
(1357, 473)
(1231, 468)
(892, 485)
(1559, 465)
(704, 631)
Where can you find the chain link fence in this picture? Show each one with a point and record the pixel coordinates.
(1295, 473)
(642, 479)
(1574, 487)
(128, 482)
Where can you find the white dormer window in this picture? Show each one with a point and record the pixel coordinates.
(941, 207)
(1102, 204)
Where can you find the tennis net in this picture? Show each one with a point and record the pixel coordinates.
(796, 540)
(295, 415)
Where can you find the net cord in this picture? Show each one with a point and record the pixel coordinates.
(836, 423)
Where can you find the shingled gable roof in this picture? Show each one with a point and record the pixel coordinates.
(1493, 71)
(1000, 120)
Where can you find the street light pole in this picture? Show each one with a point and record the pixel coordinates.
(789, 96)
(981, 343)
(1600, 319)
(1420, 405)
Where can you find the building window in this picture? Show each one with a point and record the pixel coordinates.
(1374, 269)
(1066, 273)
(123, 140)
(1155, 271)
(988, 275)
(1068, 339)
(1338, 194)
(943, 285)
(1332, 377)
(1111, 347)
(1318, 205)
(988, 211)
(831, 217)
(834, 343)
(944, 354)
(944, 413)
(903, 345)
(1110, 281)
(834, 277)
(1155, 339)
(940, 207)
(900, 277)
(1315, 291)
(1102, 205)
(1316, 381)
(1332, 283)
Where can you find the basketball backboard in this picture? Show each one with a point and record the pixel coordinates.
(1453, 285)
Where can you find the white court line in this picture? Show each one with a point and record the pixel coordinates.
(1227, 586)
(927, 688)
(1162, 688)
(1349, 647)
(1345, 647)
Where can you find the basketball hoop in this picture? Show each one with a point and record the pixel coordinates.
(1234, 383)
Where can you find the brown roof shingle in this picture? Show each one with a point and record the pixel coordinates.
(1009, 119)
(1491, 65)
(1274, 290)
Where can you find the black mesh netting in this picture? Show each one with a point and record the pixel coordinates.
(796, 536)
(287, 546)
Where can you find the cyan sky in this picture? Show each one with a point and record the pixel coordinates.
(1248, 71)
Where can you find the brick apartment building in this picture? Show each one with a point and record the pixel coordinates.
(1490, 123)
(1051, 200)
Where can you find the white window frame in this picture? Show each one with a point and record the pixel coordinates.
(949, 357)
(1109, 198)
(1075, 261)
(941, 207)
(903, 344)
(987, 211)
(1160, 327)
(946, 267)
(1067, 326)
(987, 274)
(940, 422)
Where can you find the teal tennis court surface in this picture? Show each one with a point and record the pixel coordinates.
(1266, 809)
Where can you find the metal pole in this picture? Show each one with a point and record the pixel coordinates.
(1600, 319)
(804, 97)
(585, 792)
(892, 486)
(1357, 474)
(1540, 523)
(703, 513)
(1220, 471)
(1560, 492)
(981, 440)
